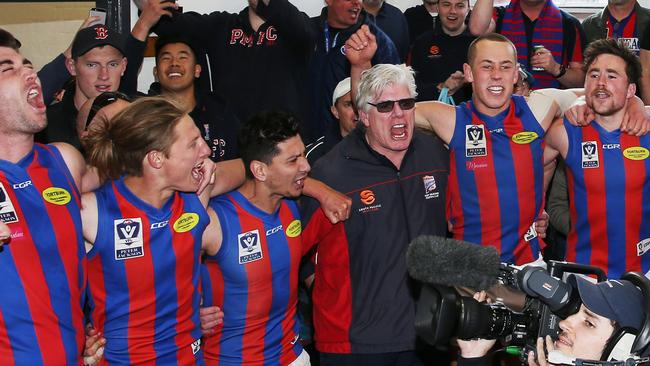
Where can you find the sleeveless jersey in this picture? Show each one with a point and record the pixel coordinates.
(609, 196)
(143, 277)
(42, 269)
(496, 181)
(254, 279)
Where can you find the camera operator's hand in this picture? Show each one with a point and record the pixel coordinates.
(476, 347)
(541, 355)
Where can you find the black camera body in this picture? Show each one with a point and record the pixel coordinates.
(443, 313)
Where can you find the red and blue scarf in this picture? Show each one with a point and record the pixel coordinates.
(548, 32)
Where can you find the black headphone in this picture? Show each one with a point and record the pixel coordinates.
(627, 342)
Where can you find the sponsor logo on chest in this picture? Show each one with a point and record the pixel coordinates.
(250, 247)
(128, 238)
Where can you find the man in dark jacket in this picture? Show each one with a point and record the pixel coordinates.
(337, 22)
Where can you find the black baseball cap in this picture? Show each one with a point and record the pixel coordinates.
(96, 36)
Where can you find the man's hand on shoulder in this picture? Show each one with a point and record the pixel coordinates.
(635, 121)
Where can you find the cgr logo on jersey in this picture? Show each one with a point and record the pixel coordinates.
(159, 225)
(590, 154)
(7, 210)
(430, 187)
(128, 238)
(273, 230)
(475, 142)
(250, 249)
(22, 185)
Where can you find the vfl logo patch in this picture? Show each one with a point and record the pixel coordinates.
(631, 43)
(590, 154)
(7, 210)
(250, 249)
(57, 196)
(642, 247)
(531, 233)
(186, 222)
(196, 346)
(636, 153)
(475, 142)
(430, 187)
(128, 238)
(294, 229)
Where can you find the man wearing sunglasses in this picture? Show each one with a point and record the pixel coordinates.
(396, 178)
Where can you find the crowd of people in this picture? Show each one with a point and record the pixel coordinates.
(278, 157)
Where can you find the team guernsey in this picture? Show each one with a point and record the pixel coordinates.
(254, 279)
(143, 276)
(496, 180)
(609, 196)
(42, 269)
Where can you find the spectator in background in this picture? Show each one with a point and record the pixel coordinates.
(438, 55)
(98, 62)
(644, 55)
(391, 20)
(339, 20)
(251, 54)
(559, 63)
(621, 19)
(343, 110)
(176, 70)
(421, 18)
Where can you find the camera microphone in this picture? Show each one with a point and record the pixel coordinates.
(450, 262)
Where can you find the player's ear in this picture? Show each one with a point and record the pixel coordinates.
(154, 158)
(259, 170)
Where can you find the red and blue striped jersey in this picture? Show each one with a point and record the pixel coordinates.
(609, 195)
(143, 277)
(254, 279)
(42, 269)
(496, 181)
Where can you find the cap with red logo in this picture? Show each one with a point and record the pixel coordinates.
(96, 36)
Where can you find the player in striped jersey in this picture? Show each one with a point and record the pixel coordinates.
(254, 274)
(144, 236)
(42, 261)
(607, 170)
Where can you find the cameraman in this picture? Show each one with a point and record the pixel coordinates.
(606, 307)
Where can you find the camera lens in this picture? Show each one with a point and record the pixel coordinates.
(484, 321)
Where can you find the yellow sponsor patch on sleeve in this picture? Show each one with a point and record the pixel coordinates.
(186, 222)
(56, 196)
(294, 229)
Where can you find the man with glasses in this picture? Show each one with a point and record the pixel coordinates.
(396, 178)
(104, 106)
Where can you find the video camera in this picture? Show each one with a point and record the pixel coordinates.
(443, 313)
(531, 300)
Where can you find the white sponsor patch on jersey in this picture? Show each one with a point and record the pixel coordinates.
(250, 248)
(128, 238)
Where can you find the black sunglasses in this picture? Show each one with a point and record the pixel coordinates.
(101, 101)
(388, 105)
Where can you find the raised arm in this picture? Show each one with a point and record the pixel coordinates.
(294, 25)
(481, 22)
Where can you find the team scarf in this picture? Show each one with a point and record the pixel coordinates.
(626, 30)
(548, 32)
